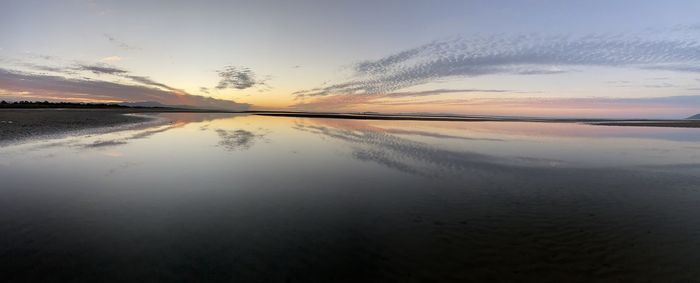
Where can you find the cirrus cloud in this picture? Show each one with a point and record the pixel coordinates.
(528, 54)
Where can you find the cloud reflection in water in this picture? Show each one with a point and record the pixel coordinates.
(239, 139)
(386, 148)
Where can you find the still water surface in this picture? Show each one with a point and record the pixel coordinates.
(219, 197)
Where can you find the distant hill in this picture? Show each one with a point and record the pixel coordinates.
(154, 104)
(694, 117)
(142, 104)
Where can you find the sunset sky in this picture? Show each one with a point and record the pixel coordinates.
(517, 58)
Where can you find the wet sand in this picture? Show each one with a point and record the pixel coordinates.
(21, 124)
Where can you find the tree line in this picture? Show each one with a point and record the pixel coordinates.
(47, 104)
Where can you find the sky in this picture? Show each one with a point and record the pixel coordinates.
(609, 59)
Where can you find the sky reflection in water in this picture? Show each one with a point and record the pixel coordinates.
(219, 196)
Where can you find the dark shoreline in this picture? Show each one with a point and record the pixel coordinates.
(600, 122)
(653, 123)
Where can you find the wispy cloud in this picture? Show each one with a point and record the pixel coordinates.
(688, 101)
(438, 92)
(661, 85)
(104, 69)
(45, 68)
(39, 56)
(148, 81)
(119, 43)
(101, 69)
(667, 106)
(530, 54)
(111, 59)
(46, 64)
(341, 100)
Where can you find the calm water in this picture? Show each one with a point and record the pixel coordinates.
(250, 198)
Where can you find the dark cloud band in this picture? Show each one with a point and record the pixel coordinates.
(62, 88)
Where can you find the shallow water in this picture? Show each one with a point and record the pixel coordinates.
(218, 197)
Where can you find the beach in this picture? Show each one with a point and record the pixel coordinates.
(17, 125)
